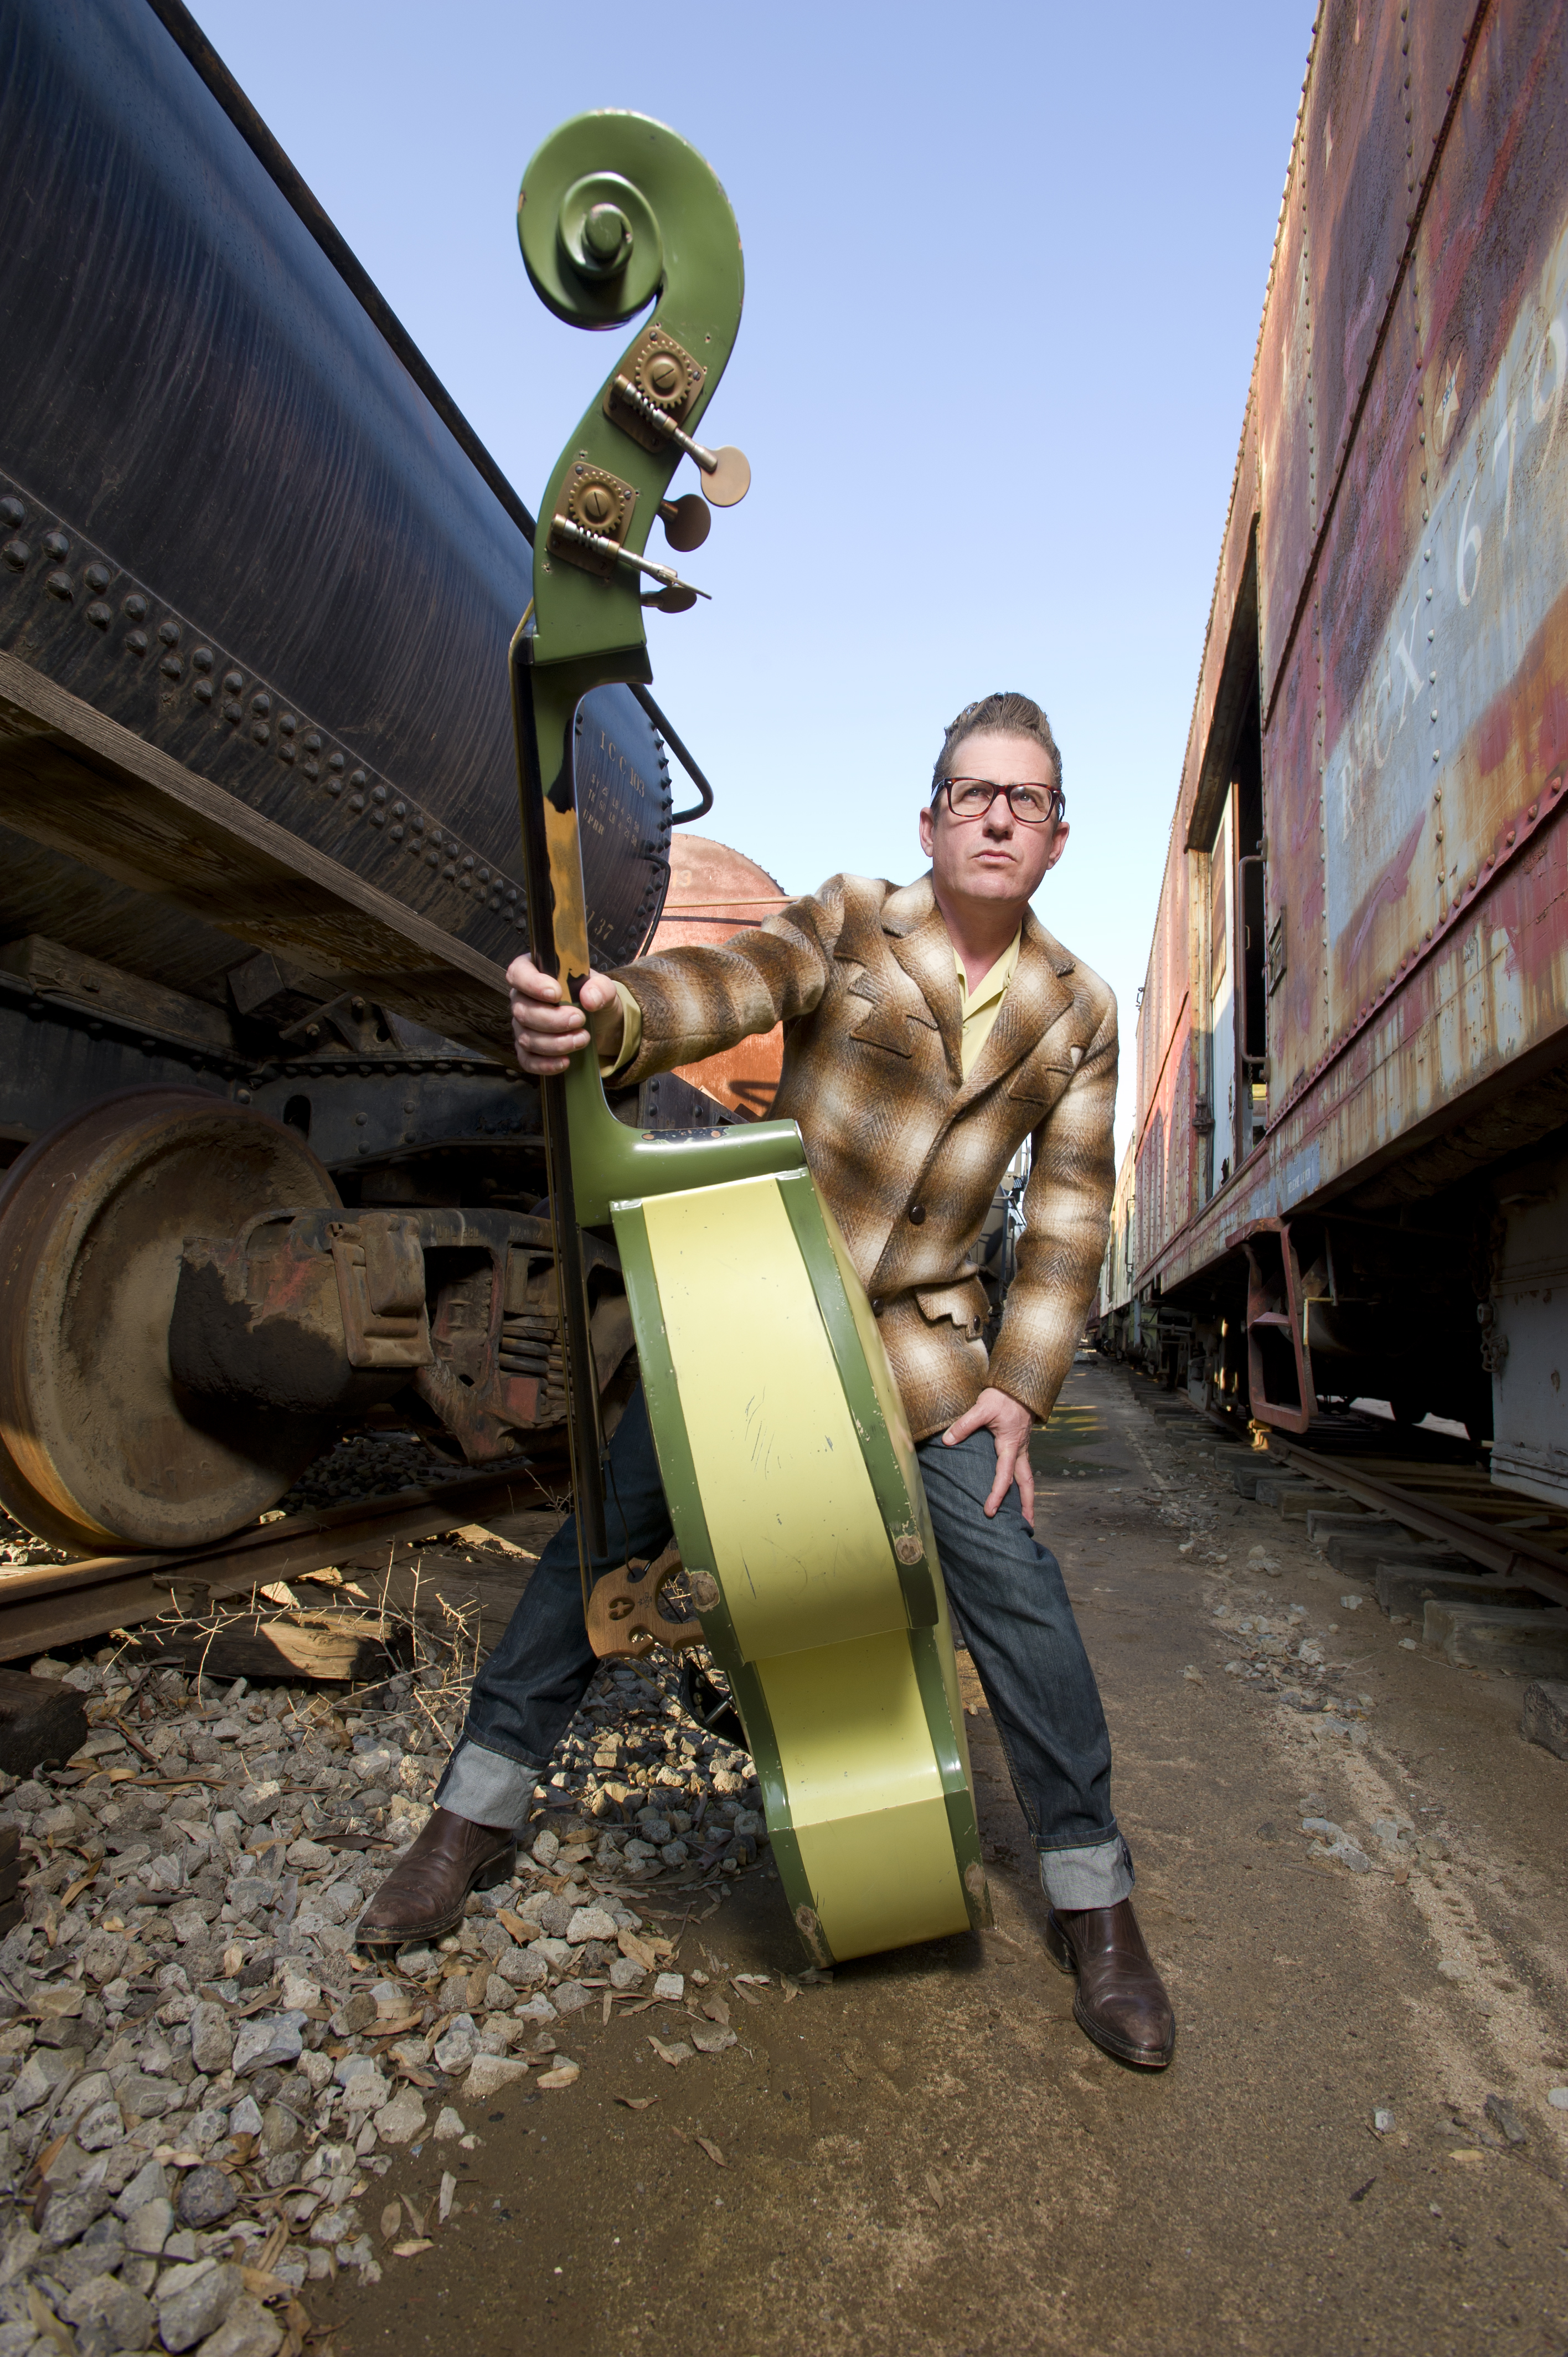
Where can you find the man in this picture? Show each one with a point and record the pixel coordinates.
(927, 1031)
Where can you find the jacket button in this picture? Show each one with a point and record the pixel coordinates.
(876, 1306)
(917, 1215)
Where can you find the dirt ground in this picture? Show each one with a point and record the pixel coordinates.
(926, 2155)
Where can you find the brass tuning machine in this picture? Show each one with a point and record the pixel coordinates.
(589, 529)
(651, 391)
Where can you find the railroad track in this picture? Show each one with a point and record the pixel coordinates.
(45, 1605)
(1453, 1502)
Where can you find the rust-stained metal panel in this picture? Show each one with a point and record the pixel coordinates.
(1165, 1159)
(1444, 729)
(1377, 98)
(1293, 822)
(1166, 980)
(1288, 460)
(1383, 76)
(1454, 1036)
(1359, 201)
(1164, 1197)
(1415, 658)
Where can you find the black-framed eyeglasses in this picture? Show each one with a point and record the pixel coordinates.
(1031, 806)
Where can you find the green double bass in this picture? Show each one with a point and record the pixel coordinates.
(792, 1482)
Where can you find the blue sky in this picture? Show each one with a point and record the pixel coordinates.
(1004, 270)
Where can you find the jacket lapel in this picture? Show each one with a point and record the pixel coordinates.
(1035, 998)
(920, 941)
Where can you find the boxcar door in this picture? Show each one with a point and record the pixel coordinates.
(1223, 998)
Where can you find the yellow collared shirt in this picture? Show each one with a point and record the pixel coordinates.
(980, 1010)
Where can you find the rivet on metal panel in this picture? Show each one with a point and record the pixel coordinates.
(59, 584)
(335, 761)
(12, 513)
(313, 742)
(134, 609)
(137, 641)
(203, 658)
(333, 785)
(356, 802)
(56, 545)
(233, 712)
(233, 680)
(359, 779)
(16, 554)
(260, 733)
(1533, 808)
(172, 667)
(99, 614)
(203, 691)
(97, 577)
(169, 633)
(287, 724)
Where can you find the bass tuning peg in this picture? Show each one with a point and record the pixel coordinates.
(687, 523)
(726, 474)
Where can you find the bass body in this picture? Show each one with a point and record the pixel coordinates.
(792, 1482)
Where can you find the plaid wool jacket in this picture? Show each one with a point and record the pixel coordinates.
(907, 1153)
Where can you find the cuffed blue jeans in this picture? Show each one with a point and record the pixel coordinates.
(1006, 1592)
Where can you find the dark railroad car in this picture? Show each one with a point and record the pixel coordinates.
(1352, 1146)
(259, 871)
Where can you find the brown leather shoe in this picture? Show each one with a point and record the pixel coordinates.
(1120, 2002)
(424, 1894)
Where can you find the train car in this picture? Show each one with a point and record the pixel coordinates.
(1352, 1143)
(260, 866)
(1118, 1294)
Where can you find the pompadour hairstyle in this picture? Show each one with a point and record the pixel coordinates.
(1008, 713)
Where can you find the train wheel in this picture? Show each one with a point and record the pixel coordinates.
(97, 1450)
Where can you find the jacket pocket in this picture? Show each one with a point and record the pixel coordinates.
(964, 1303)
(1041, 1083)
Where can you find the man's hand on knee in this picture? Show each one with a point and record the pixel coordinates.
(1009, 1423)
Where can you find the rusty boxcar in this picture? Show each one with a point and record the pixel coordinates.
(1352, 1051)
(258, 845)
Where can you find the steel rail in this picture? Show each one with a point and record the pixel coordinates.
(1519, 1560)
(57, 1603)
